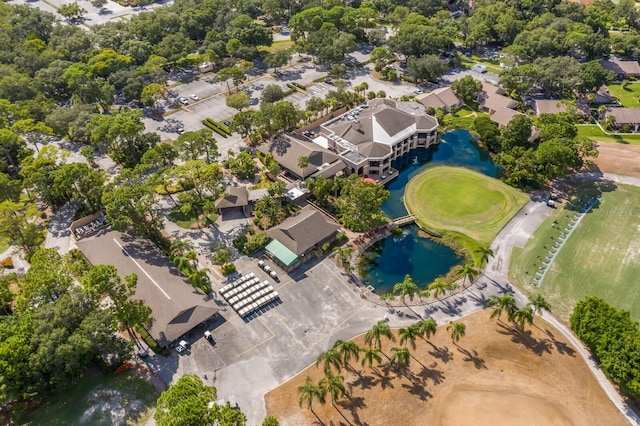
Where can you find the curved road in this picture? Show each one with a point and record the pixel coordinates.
(516, 233)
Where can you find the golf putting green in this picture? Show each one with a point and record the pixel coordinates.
(456, 200)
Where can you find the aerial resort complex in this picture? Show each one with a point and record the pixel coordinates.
(319, 213)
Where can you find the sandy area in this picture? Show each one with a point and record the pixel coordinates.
(495, 377)
(618, 158)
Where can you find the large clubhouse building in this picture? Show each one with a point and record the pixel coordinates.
(368, 140)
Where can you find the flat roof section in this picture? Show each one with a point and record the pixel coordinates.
(176, 306)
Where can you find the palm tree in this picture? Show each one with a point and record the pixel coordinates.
(400, 357)
(409, 334)
(374, 336)
(522, 316)
(427, 327)
(303, 163)
(505, 303)
(406, 288)
(330, 358)
(308, 393)
(334, 386)
(180, 248)
(199, 278)
(539, 303)
(370, 355)
(457, 330)
(485, 253)
(347, 350)
(468, 272)
(438, 287)
(343, 256)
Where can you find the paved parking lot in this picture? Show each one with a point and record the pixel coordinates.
(249, 358)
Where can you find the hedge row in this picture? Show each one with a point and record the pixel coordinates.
(219, 128)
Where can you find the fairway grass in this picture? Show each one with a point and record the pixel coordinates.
(461, 204)
(602, 256)
(594, 133)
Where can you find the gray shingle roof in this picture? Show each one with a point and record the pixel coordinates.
(303, 230)
(288, 148)
(235, 196)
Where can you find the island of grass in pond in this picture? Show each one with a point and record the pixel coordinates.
(389, 260)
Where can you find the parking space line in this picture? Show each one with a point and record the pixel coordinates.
(260, 343)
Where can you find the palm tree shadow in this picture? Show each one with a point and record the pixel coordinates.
(353, 405)
(385, 380)
(563, 348)
(442, 353)
(537, 346)
(365, 382)
(436, 376)
(472, 356)
(418, 388)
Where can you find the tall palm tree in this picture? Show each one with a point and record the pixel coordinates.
(523, 316)
(468, 271)
(485, 253)
(309, 393)
(438, 287)
(180, 248)
(505, 303)
(406, 288)
(369, 355)
(409, 334)
(347, 349)
(400, 357)
(334, 386)
(457, 330)
(427, 327)
(539, 303)
(330, 358)
(373, 337)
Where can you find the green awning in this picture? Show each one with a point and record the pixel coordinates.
(283, 254)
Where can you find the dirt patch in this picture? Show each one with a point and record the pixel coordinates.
(618, 158)
(496, 377)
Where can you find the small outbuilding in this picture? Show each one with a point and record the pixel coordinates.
(295, 239)
(235, 199)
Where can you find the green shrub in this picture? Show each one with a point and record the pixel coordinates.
(240, 242)
(228, 268)
(326, 246)
(614, 340)
(256, 242)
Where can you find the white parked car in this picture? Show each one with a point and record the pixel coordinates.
(418, 92)
(195, 97)
(183, 101)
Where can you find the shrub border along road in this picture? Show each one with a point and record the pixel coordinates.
(473, 229)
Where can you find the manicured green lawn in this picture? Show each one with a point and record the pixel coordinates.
(594, 133)
(465, 205)
(277, 45)
(629, 96)
(185, 220)
(97, 400)
(601, 257)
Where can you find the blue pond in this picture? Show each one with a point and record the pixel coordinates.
(389, 260)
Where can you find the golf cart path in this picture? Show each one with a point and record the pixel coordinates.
(516, 233)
